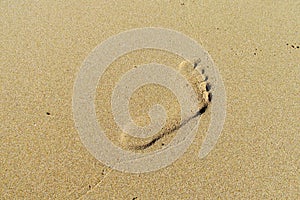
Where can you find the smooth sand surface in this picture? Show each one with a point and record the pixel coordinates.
(255, 45)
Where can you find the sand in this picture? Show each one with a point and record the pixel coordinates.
(254, 44)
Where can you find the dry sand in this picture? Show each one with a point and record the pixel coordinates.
(255, 45)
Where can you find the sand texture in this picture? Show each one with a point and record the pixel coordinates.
(255, 46)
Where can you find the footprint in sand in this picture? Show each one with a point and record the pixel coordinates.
(201, 86)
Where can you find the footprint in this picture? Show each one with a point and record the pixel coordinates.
(202, 88)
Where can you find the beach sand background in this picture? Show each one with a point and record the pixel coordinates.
(254, 44)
